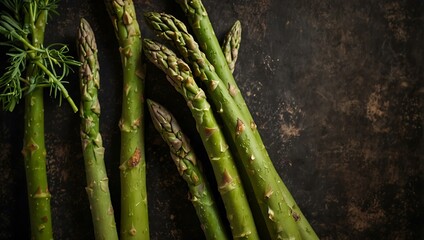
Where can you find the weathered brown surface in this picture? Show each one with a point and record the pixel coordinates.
(336, 89)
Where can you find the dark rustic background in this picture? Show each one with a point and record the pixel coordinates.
(336, 89)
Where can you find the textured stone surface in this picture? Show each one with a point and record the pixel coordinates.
(336, 89)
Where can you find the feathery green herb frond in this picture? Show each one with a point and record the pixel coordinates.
(53, 61)
(10, 82)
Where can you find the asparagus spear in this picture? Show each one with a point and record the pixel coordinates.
(261, 172)
(231, 45)
(134, 213)
(92, 146)
(186, 161)
(226, 174)
(33, 67)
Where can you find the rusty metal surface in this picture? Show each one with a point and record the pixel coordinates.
(336, 89)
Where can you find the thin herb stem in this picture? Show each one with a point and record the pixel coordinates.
(53, 78)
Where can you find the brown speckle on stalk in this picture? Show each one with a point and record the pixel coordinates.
(32, 147)
(194, 178)
(232, 89)
(40, 194)
(136, 123)
(110, 210)
(135, 158)
(227, 182)
(210, 131)
(226, 178)
(213, 84)
(269, 193)
(45, 219)
(240, 127)
(295, 215)
(133, 231)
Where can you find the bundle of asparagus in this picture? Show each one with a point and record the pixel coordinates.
(279, 211)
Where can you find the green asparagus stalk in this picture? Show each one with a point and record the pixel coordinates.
(34, 148)
(34, 152)
(186, 161)
(92, 146)
(203, 30)
(231, 45)
(226, 174)
(262, 175)
(32, 68)
(134, 212)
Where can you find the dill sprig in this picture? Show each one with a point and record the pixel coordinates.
(52, 63)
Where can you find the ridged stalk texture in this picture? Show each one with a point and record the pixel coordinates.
(203, 30)
(226, 174)
(190, 170)
(92, 146)
(231, 45)
(134, 212)
(263, 177)
(34, 149)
